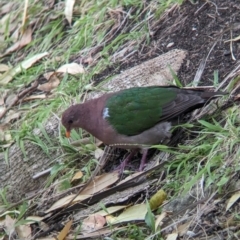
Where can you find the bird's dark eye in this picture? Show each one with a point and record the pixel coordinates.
(70, 121)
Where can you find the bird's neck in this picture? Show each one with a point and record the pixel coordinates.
(91, 116)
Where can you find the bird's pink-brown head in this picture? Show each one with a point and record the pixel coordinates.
(71, 119)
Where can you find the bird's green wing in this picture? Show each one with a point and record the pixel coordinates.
(135, 110)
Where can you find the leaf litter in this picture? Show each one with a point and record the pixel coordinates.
(94, 187)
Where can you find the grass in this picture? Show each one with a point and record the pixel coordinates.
(100, 31)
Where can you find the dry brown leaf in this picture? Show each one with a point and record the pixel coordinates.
(172, 236)
(50, 85)
(62, 235)
(69, 10)
(159, 220)
(232, 200)
(111, 210)
(183, 228)
(93, 222)
(11, 98)
(78, 175)
(101, 182)
(48, 75)
(9, 225)
(12, 115)
(136, 212)
(24, 232)
(6, 8)
(25, 40)
(8, 76)
(4, 67)
(71, 68)
(66, 200)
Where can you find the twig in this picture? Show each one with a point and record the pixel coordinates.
(40, 174)
(98, 168)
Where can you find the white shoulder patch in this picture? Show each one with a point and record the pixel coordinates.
(105, 113)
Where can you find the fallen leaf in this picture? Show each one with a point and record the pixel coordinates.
(9, 225)
(50, 85)
(78, 175)
(111, 210)
(10, 99)
(48, 75)
(62, 235)
(6, 8)
(25, 40)
(71, 68)
(4, 67)
(66, 200)
(183, 228)
(136, 212)
(101, 182)
(159, 220)
(12, 115)
(69, 10)
(93, 222)
(157, 199)
(24, 231)
(172, 236)
(8, 76)
(232, 200)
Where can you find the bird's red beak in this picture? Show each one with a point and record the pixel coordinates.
(68, 134)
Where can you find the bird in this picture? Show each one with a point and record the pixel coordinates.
(135, 118)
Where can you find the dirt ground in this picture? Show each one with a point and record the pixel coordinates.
(202, 29)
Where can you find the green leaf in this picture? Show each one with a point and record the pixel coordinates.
(149, 218)
(223, 181)
(210, 126)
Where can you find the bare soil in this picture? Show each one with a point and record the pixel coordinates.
(202, 29)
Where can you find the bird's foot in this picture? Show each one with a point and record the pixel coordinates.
(143, 160)
(124, 163)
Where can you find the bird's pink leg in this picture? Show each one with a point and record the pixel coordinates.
(143, 160)
(126, 160)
